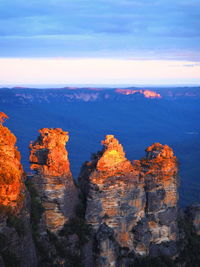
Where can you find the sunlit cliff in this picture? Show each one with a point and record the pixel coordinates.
(146, 93)
(11, 185)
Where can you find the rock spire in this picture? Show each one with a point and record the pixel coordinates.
(161, 187)
(115, 202)
(53, 179)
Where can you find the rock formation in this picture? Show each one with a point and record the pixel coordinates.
(193, 215)
(16, 243)
(53, 179)
(161, 184)
(132, 207)
(146, 93)
(115, 203)
(11, 185)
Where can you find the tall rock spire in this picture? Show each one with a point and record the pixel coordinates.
(53, 179)
(161, 186)
(48, 154)
(115, 202)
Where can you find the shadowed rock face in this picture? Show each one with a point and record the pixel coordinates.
(115, 202)
(53, 179)
(193, 215)
(161, 183)
(11, 185)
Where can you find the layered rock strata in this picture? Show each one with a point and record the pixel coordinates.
(132, 207)
(115, 203)
(161, 183)
(53, 179)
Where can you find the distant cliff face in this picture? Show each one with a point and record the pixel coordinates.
(87, 94)
(132, 208)
(146, 93)
(11, 185)
(53, 179)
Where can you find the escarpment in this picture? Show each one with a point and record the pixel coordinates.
(53, 179)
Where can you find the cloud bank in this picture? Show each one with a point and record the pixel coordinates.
(153, 29)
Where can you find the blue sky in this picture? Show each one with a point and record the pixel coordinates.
(114, 29)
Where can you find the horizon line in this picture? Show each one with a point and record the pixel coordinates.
(62, 86)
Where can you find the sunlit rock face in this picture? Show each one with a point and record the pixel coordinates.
(115, 202)
(53, 179)
(48, 154)
(15, 229)
(146, 93)
(132, 207)
(161, 182)
(11, 185)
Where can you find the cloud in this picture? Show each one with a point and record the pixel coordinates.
(98, 45)
(35, 17)
(194, 65)
(122, 25)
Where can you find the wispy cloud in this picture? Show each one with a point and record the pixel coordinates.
(194, 65)
(103, 26)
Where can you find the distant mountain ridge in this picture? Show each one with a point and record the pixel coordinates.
(91, 94)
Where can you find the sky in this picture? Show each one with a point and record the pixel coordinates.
(99, 42)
